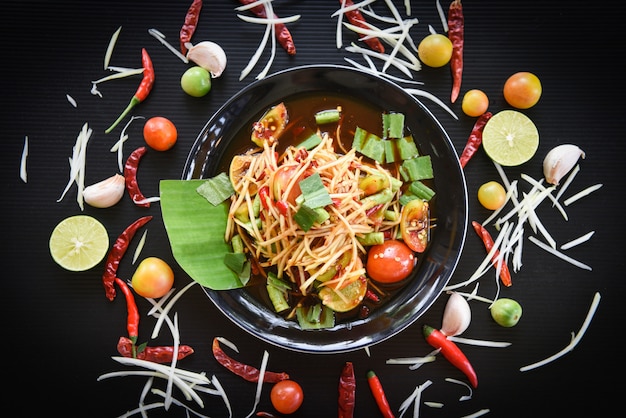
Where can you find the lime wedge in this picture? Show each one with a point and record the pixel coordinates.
(510, 138)
(79, 242)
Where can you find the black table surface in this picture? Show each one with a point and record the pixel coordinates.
(60, 330)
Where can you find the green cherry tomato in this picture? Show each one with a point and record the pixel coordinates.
(286, 396)
(196, 81)
(506, 312)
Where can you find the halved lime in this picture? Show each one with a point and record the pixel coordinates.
(510, 138)
(79, 242)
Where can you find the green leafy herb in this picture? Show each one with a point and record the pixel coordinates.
(216, 189)
(314, 193)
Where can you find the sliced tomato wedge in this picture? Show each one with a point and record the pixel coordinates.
(270, 126)
(415, 225)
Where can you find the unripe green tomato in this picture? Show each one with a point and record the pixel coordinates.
(506, 312)
(196, 81)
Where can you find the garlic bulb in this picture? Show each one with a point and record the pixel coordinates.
(105, 193)
(209, 56)
(559, 161)
(456, 315)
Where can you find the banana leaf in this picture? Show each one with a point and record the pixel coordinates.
(195, 229)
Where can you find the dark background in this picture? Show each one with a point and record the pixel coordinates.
(59, 329)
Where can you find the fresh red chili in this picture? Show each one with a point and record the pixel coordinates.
(249, 373)
(264, 195)
(156, 354)
(456, 29)
(282, 32)
(142, 91)
(379, 395)
(475, 138)
(117, 252)
(282, 207)
(130, 174)
(132, 321)
(356, 18)
(347, 391)
(451, 352)
(485, 236)
(191, 22)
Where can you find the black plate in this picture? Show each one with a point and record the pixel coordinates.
(448, 237)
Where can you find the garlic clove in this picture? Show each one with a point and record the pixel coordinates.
(559, 161)
(209, 56)
(105, 193)
(456, 315)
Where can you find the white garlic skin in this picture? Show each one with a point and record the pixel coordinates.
(209, 56)
(457, 315)
(105, 193)
(559, 161)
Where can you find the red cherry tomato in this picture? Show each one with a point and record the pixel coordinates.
(286, 396)
(390, 261)
(160, 133)
(153, 278)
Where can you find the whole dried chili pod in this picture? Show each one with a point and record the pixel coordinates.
(347, 391)
(156, 354)
(117, 252)
(451, 352)
(485, 236)
(356, 18)
(249, 373)
(282, 32)
(130, 174)
(475, 139)
(142, 91)
(456, 34)
(191, 22)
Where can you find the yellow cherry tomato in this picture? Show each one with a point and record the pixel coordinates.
(153, 278)
(435, 50)
(475, 103)
(492, 195)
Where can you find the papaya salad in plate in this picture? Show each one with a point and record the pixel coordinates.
(318, 214)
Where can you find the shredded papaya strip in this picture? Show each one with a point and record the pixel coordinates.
(278, 240)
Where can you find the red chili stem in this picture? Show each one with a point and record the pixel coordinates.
(249, 373)
(347, 391)
(142, 91)
(117, 252)
(451, 352)
(282, 32)
(156, 354)
(191, 22)
(485, 236)
(475, 139)
(456, 29)
(356, 18)
(130, 174)
(379, 395)
(132, 321)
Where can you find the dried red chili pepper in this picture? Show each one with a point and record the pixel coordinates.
(249, 373)
(451, 352)
(282, 33)
(356, 18)
(485, 236)
(117, 252)
(347, 391)
(475, 138)
(156, 354)
(379, 395)
(132, 320)
(456, 34)
(191, 22)
(130, 174)
(142, 91)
